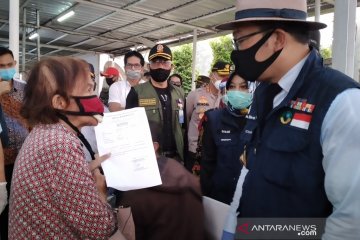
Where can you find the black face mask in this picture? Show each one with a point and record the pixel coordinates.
(245, 63)
(159, 75)
(109, 81)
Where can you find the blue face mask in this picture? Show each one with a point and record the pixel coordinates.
(7, 74)
(238, 99)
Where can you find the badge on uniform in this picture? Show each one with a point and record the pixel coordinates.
(301, 120)
(286, 117)
(297, 119)
(181, 110)
(144, 102)
(301, 105)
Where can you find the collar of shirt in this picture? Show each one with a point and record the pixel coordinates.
(288, 80)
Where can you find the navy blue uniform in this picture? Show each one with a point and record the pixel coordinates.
(286, 176)
(220, 164)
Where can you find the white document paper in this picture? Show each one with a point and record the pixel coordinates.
(215, 216)
(126, 135)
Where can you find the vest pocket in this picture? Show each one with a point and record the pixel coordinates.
(287, 139)
(152, 113)
(284, 152)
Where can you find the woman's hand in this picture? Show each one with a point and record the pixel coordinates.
(100, 184)
(94, 164)
(98, 177)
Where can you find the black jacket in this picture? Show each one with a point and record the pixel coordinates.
(221, 150)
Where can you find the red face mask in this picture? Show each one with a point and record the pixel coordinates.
(88, 106)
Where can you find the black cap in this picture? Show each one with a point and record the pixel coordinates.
(160, 50)
(222, 68)
(201, 80)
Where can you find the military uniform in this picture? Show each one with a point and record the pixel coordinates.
(145, 95)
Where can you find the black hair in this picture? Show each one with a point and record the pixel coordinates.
(231, 77)
(315, 39)
(176, 75)
(4, 51)
(134, 54)
(296, 30)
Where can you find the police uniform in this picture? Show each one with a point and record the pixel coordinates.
(197, 103)
(221, 150)
(285, 159)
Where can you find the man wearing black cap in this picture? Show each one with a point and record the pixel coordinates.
(163, 102)
(303, 132)
(198, 102)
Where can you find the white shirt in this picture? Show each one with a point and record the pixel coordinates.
(89, 134)
(119, 90)
(3, 196)
(340, 141)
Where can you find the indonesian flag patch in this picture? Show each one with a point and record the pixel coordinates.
(301, 120)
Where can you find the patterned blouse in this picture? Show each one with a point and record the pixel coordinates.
(53, 194)
(17, 127)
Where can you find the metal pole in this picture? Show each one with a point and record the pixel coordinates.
(38, 38)
(14, 29)
(344, 37)
(194, 60)
(23, 58)
(317, 10)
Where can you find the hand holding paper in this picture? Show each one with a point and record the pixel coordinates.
(132, 164)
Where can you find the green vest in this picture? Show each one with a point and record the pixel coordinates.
(149, 99)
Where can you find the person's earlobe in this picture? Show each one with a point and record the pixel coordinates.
(280, 39)
(58, 102)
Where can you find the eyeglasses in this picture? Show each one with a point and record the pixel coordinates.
(135, 66)
(237, 42)
(157, 62)
(176, 84)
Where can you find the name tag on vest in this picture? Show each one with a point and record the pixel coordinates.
(147, 102)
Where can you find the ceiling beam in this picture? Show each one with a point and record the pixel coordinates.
(84, 26)
(73, 7)
(24, 4)
(143, 15)
(190, 20)
(330, 1)
(73, 33)
(71, 46)
(55, 47)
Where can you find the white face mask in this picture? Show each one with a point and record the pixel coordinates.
(133, 74)
(217, 84)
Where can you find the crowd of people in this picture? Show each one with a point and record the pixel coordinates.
(296, 135)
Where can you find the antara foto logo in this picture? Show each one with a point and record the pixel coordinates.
(244, 228)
